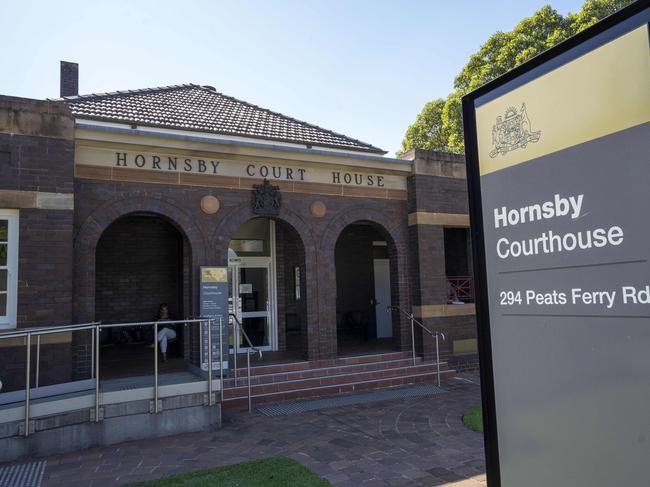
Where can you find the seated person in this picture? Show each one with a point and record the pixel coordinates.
(167, 333)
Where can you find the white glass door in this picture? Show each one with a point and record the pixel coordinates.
(252, 301)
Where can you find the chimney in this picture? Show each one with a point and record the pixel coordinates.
(69, 79)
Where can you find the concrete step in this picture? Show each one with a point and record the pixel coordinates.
(330, 380)
(261, 369)
(335, 389)
(319, 372)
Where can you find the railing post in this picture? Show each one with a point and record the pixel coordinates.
(210, 362)
(438, 359)
(96, 366)
(412, 336)
(155, 366)
(235, 344)
(221, 356)
(248, 368)
(27, 385)
(92, 354)
(38, 360)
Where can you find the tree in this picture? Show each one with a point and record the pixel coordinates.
(502, 52)
(426, 131)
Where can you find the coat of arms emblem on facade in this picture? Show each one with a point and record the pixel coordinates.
(266, 199)
(513, 131)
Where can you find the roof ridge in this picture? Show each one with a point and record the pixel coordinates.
(291, 118)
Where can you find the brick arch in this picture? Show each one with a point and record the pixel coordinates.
(92, 228)
(240, 214)
(386, 225)
(396, 235)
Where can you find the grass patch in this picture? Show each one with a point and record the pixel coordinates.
(473, 419)
(269, 472)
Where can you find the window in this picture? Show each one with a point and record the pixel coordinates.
(8, 267)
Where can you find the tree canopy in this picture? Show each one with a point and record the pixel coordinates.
(439, 125)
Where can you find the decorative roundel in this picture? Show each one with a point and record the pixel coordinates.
(210, 204)
(318, 209)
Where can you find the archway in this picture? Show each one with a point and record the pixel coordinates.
(269, 292)
(142, 261)
(366, 285)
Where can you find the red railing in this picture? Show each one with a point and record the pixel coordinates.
(460, 288)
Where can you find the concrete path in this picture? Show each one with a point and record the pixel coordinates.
(415, 442)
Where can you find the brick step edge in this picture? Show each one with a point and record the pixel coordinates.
(324, 391)
(325, 381)
(317, 364)
(259, 379)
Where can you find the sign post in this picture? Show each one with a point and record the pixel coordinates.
(558, 154)
(214, 304)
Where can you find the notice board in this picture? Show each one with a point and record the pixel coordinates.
(214, 304)
(558, 154)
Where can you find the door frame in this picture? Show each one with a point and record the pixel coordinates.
(270, 264)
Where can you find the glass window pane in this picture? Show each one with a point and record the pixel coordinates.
(3, 305)
(253, 289)
(4, 230)
(257, 330)
(3, 254)
(3, 279)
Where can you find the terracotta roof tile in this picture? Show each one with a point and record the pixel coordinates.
(202, 108)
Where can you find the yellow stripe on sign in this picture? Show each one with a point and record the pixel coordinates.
(599, 93)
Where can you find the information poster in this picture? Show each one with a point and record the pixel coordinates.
(214, 304)
(559, 173)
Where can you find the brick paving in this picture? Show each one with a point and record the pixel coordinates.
(412, 441)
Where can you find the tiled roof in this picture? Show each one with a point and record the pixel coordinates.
(202, 108)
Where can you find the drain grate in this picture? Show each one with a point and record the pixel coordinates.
(24, 475)
(421, 390)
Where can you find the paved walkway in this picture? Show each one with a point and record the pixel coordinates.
(419, 441)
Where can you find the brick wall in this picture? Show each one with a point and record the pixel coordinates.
(36, 177)
(438, 186)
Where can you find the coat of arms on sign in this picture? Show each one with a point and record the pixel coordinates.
(266, 199)
(513, 131)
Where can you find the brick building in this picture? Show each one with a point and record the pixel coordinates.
(110, 203)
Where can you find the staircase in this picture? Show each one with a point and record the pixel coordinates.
(300, 380)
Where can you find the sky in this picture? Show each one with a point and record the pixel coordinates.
(364, 68)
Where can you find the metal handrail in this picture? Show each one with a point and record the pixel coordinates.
(435, 334)
(96, 327)
(238, 327)
(23, 332)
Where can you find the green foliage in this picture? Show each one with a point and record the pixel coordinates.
(426, 131)
(440, 125)
(473, 419)
(269, 472)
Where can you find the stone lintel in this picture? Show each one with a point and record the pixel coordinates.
(442, 310)
(36, 199)
(458, 220)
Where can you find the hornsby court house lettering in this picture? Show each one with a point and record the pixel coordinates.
(216, 167)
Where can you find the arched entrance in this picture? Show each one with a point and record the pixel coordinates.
(365, 286)
(142, 261)
(268, 292)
